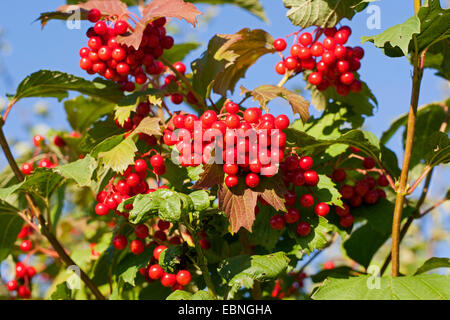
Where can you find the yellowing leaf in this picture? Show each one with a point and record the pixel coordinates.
(119, 157)
(121, 114)
(150, 126)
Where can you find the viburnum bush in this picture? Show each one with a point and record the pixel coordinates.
(223, 197)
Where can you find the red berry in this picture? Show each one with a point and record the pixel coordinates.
(59, 142)
(382, 181)
(101, 209)
(305, 39)
(101, 28)
(368, 163)
(176, 98)
(31, 272)
(133, 180)
(306, 200)
(137, 246)
(290, 198)
(231, 107)
(231, 181)
(339, 175)
(155, 272)
(329, 43)
(311, 178)
(24, 292)
(205, 244)
(306, 163)
(315, 78)
(291, 63)
(183, 277)
(230, 169)
(168, 279)
(347, 191)
(157, 161)
(120, 27)
(12, 285)
(208, 118)
(27, 168)
(341, 37)
(316, 49)
(280, 67)
(163, 225)
(299, 178)
(356, 86)
(356, 201)
(303, 229)
(120, 242)
(141, 231)
(252, 115)
(277, 222)
(358, 52)
(371, 197)
(123, 69)
(38, 141)
(118, 54)
(26, 245)
(94, 15)
(281, 122)
(21, 270)
(362, 187)
(252, 180)
(342, 211)
(347, 78)
(140, 165)
(280, 44)
(158, 250)
(346, 221)
(180, 67)
(292, 215)
(322, 209)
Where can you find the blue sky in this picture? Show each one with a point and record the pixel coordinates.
(56, 48)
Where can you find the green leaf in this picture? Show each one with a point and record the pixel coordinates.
(322, 13)
(179, 51)
(434, 24)
(170, 258)
(119, 157)
(62, 292)
(253, 6)
(343, 272)
(433, 263)
(438, 57)
(154, 291)
(10, 226)
(421, 287)
(42, 182)
(100, 131)
(439, 147)
(57, 208)
(263, 234)
(81, 170)
(242, 270)
(129, 266)
(318, 238)
(57, 84)
(200, 200)
(265, 93)
(82, 112)
(397, 37)
(327, 191)
(179, 295)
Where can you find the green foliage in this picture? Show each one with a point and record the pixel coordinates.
(10, 225)
(433, 263)
(170, 258)
(421, 287)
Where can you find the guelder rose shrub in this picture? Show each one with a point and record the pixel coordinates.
(232, 199)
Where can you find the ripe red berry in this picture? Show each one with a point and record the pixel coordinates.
(342, 211)
(231, 181)
(137, 246)
(277, 222)
(183, 277)
(119, 54)
(31, 272)
(163, 225)
(306, 163)
(101, 209)
(292, 215)
(133, 180)
(281, 122)
(59, 142)
(368, 163)
(316, 49)
(157, 161)
(311, 178)
(168, 279)
(305, 39)
(26, 245)
(12, 285)
(38, 140)
(382, 181)
(291, 63)
(290, 198)
(339, 175)
(21, 270)
(208, 118)
(347, 191)
(280, 67)
(358, 52)
(120, 27)
(140, 165)
(180, 67)
(356, 86)
(252, 115)
(371, 197)
(155, 272)
(362, 187)
(94, 15)
(329, 43)
(24, 292)
(158, 250)
(315, 78)
(231, 107)
(299, 178)
(27, 168)
(120, 242)
(322, 209)
(252, 180)
(347, 78)
(230, 169)
(346, 221)
(303, 229)
(306, 200)
(100, 28)
(141, 231)
(280, 44)
(356, 201)
(205, 244)
(123, 69)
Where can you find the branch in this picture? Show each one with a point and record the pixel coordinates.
(43, 225)
(402, 187)
(186, 82)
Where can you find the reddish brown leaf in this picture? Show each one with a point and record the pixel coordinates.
(273, 191)
(239, 205)
(212, 176)
(156, 9)
(106, 7)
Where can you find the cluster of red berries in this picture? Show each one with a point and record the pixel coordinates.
(22, 282)
(45, 162)
(130, 183)
(363, 191)
(297, 284)
(297, 171)
(248, 146)
(142, 232)
(120, 63)
(332, 64)
(26, 245)
(156, 272)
